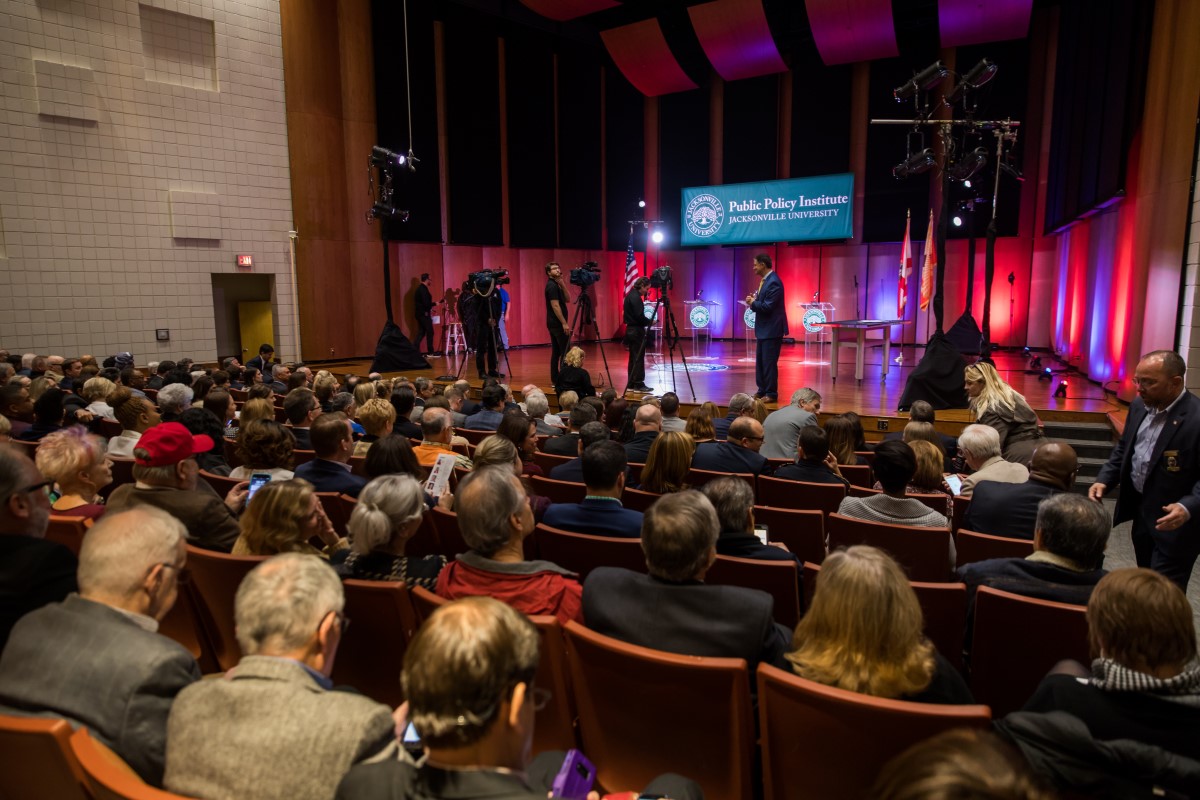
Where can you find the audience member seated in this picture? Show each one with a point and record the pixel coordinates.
(733, 500)
(469, 406)
(389, 511)
(568, 443)
(280, 374)
(345, 403)
(96, 658)
(257, 408)
(668, 464)
(264, 446)
(282, 517)
(393, 455)
(48, 411)
(979, 447)
(166, 473)
(614, 414)
(489, 416)
(1130, 723)
(925, 432)
(537, 406)
(494, 518)
(260, 391)
(301, 408)
(221, 405)
(75, 461)
(647, 425)
(271, 728)
(333, 443)
(573, 377)
(5, 429)
(1011, 509)
(863, 633)
(436, 436)
(201, 420)
(96, 393)
(1071, 534)
(17, 406)
(33, 571)
(403, 400)
(468, 676)
(172, 399)
(325, 386)
(377, 418)
(522, 432)
(840, 434)
(671, 421)
(699, 426)
(739, 406)
(738, 453)
(601, 512)
(922, 411)
(671, 608)
(960, 763)
(894, 466)
(781, 428)
(589, 434)
(814, 463)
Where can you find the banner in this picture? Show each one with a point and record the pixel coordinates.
(795, 210)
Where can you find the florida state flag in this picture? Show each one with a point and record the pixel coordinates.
(928, 266)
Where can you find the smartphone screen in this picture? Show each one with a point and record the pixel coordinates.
(410, 735)
(761, 532)
(955, 483)
(257, 481)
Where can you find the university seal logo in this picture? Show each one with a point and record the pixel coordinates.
(699, 316)
(704, 215)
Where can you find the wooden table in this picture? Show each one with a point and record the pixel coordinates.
(860, 327)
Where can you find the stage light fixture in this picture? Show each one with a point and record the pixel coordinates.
(975, 77)
(923, 81)
(1035, 362)
(657, 237)
(383, 158)
(969, 165)
(915, 164)
(967, 183)
(1061, 391)
(957, 220)
(641, 203)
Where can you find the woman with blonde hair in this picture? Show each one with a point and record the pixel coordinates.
(325, 386)
(97, 391)
(377, 418)
(699, 426)
(76, 461)
(363, 392)
(758, 409)
(499, 451)
(668, 463)
(282, 517)
(388, 514)
(256, 408)
(136, 415)
(999, 406)
(573, 377)
(264, 446)
(712, 409)
(841, 435)
(863, 633)
(39, 385)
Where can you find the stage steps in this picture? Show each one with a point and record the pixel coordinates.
(1093, 443)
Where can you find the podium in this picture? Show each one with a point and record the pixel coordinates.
(699, 320)
(814, 317)
(749, 318)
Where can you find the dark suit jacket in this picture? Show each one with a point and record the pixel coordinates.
(331, 476)
(809, 473)
(91, 664)
(570, 471)
(1173, 475)
(33, 572)
(484, 420)
(949, 443)
(637, 449)
(770, 309)
(721, 424)
(565, 445)
(1006, 509)
(687, 618)
(303, 438)
(726, 457)
(470, 407)
(597, 517)
(1031, 578)
(278, 387)
(209, 522)
(746, 545)
(423, 300)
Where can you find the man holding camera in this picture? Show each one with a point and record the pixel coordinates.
(487, 315)
(635, 333)
(556, 317)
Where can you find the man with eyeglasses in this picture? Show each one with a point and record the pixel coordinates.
(33, 571)
(468, 676)
(1157, 467)
(739, 451)
(272, 727)
(97, 658)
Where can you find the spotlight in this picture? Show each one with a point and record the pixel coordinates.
(977, 76)
(957, 220)
(1045, 375)
(967, 184)
(641, 203)
(385, 211)
(969, 164)
(1061, 391)
(923, 81)
(916, 163)
(383, 158)
(657, 237)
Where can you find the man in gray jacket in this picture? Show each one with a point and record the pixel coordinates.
(781, 428)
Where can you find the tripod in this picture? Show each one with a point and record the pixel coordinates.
(585, 314)
(493, 332)
(671, 333)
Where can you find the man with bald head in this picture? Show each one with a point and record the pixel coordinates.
(647, 424)
(739, 451)
(1157, 467)
(1010, 509)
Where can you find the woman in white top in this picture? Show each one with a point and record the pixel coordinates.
(136, 415)
(264, 446)
(97, 391)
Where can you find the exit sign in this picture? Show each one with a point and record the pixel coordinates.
(245, 261)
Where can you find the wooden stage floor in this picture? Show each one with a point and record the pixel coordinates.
(727, 368)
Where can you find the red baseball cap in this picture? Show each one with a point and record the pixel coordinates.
(169, 443)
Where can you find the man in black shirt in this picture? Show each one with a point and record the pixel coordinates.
(487, 310)
(556, 317)
(424, 303)
(635, 333)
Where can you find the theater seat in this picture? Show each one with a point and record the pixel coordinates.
(215, 580)
(581, 552)
(558, 491)
(638, 500)
(36, 760)
(783, 493)
(371, 653)
(107, 776)
(780, 579)
(924, 553)
(972, 547)
(802, 531)
(67, 531)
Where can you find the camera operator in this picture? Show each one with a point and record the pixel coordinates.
(635, 333)
(485, 286)
(556, 317)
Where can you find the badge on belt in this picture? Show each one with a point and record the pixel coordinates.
(1172, 458)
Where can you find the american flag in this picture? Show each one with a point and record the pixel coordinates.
(905, 268)
(631, 273)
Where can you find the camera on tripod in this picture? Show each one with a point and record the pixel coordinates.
(661, 278)
(585, 275)
(486, 278)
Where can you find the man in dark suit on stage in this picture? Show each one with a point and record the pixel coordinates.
(1011, 509)
(333, 442)
(770, 326)
(601, 512)
(635, 333)
(1157, 466)
(424, 307)
(738, 453)
(671, 608)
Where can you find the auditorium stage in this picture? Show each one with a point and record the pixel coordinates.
(728, 367)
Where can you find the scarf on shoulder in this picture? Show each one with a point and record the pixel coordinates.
(1110, 676)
